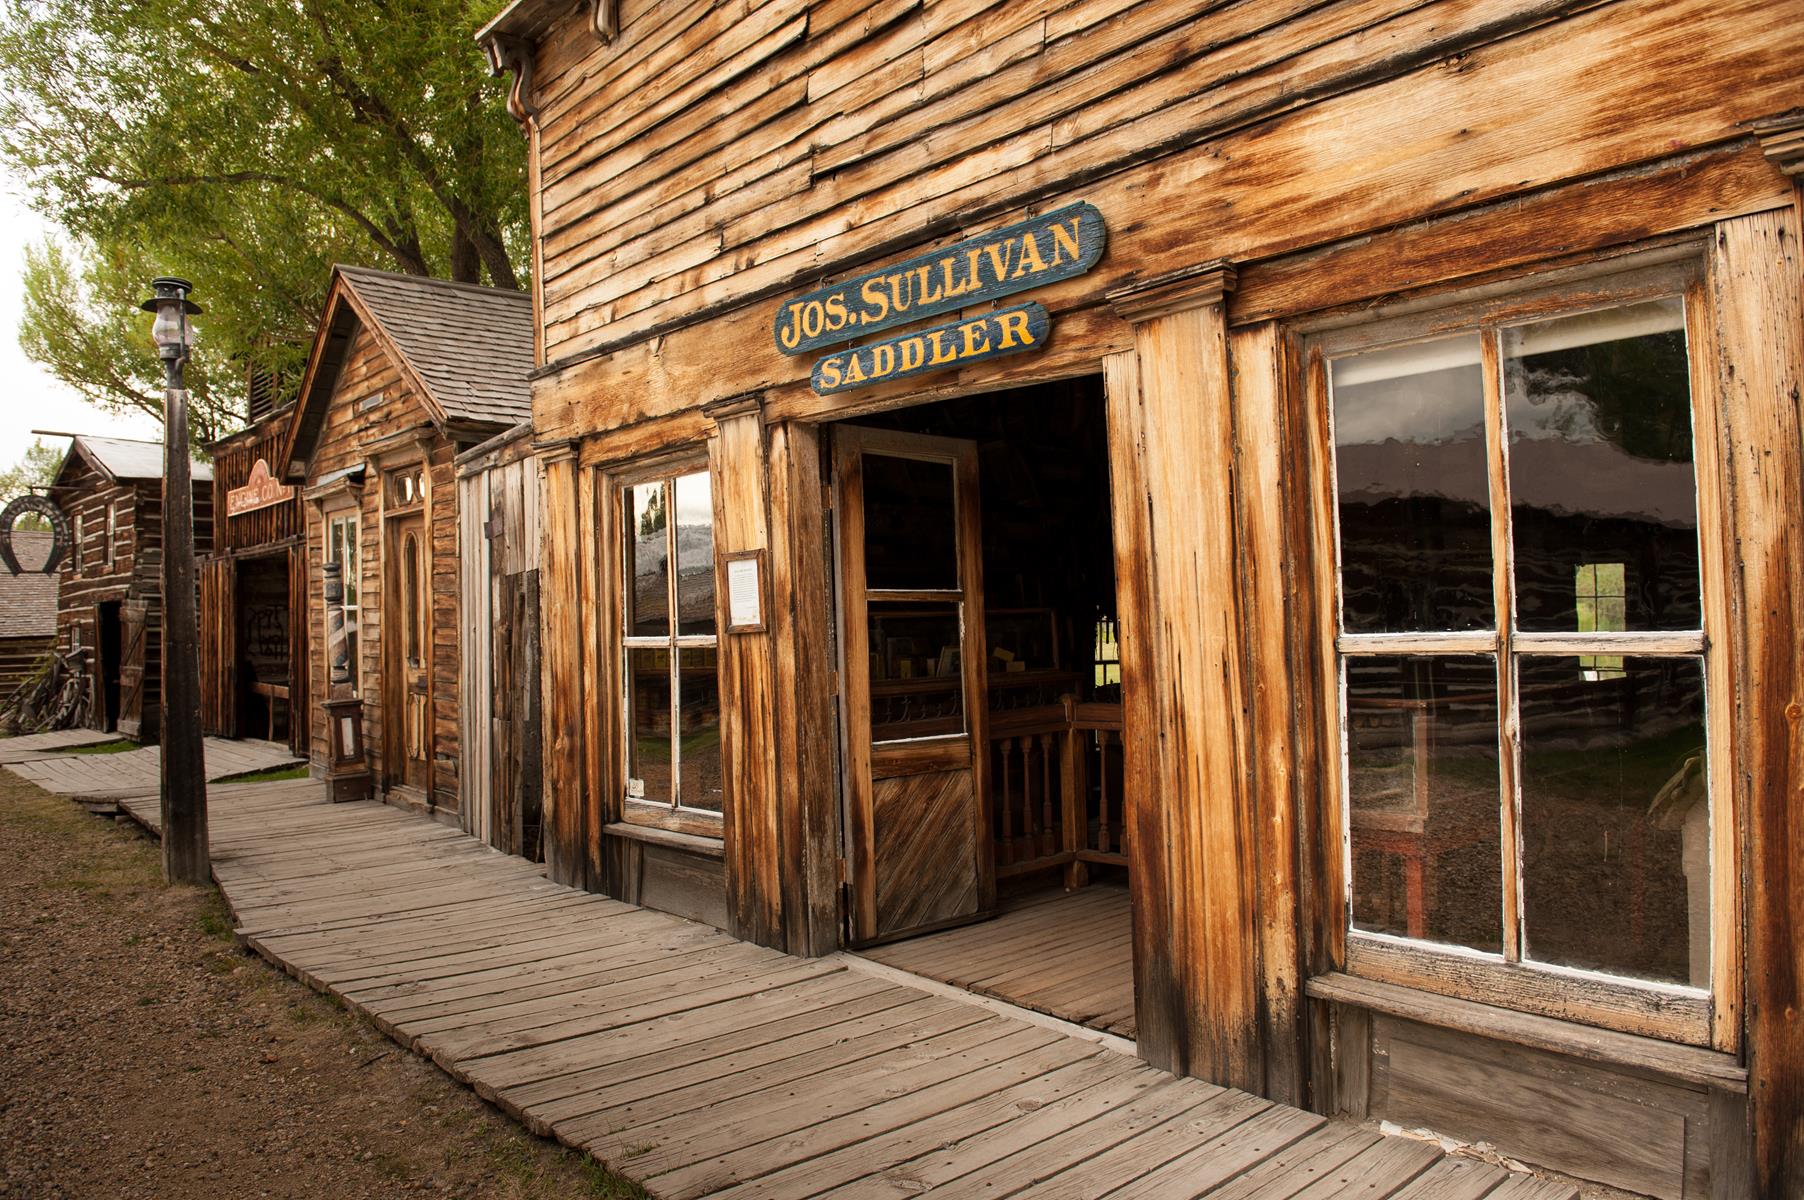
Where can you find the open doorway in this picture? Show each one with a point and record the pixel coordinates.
(109, 662)
(980, 693)
(263, 638)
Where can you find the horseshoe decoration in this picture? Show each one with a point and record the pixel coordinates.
(45, 507)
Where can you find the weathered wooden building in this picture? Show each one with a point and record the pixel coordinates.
(110, 593)
(27, 612)
(1343, 495)
(253, 645)
(498, 588)
(404, 374)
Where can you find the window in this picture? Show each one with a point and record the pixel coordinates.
(1522, 658)
(668, 649)
(411, 597)
(112, 532)
(75, 544)
(342, 546)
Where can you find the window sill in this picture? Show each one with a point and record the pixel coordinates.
(1689, 1064)
(711, 847)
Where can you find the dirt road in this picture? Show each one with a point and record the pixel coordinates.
(142, 1054)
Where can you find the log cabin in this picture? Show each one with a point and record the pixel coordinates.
(110, 592)
(27, 612)
(1266, 528)
(253, 643)
(404, 374)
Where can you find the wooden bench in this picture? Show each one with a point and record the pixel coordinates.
(272, 692)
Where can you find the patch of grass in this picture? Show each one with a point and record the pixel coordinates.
(115, 747)
(213, 920)
(269, 775)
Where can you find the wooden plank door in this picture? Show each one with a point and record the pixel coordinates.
(218, 648)
(134, 617)
(300, 708)
(913, 687)
(407, 640)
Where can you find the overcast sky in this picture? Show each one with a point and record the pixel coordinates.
(32, 398)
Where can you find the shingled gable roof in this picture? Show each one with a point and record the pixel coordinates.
(467, 348)
(28, 600)
(124, 460)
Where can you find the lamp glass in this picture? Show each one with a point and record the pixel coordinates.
(170, 330)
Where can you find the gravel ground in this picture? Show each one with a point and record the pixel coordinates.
(143, 1054)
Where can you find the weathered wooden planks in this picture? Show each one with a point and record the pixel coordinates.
(706, 1066)
(96, 775)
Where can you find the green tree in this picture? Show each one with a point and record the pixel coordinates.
(35, 470)
(247, 146)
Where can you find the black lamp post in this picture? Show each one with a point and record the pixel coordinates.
(184, 794)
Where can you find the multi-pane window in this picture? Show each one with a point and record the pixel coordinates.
(342, 548)
(668, 647)
(1521, 643)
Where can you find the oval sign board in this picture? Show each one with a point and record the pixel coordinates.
(941, 348)
(1029, 254)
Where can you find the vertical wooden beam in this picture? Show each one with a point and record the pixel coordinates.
(562, 677)
(1263, 430)
(1200, 693)
(1158, 979)
(808, 809)
(749, 744)
(1757, 279)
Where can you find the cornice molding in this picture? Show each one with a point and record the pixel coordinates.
(1782, 138)
(1178, 291)
(509, 54)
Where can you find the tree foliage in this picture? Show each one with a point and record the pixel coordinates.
(33, 471)
(247, 146)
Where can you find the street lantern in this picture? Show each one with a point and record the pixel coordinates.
(171, 331)
(186, 858)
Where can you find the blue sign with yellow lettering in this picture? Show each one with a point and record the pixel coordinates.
(1029, 254)
(987, 335)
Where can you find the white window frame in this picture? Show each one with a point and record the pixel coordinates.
(329, 518)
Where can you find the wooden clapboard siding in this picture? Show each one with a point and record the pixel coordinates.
(133, 574)
(233, 459)
(498, 586)
(374, 398)
(20, 658)
(1305, 130)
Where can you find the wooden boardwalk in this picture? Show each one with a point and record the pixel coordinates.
(1067, 954)
(704, 1066)
(111, 776)
(28, 746)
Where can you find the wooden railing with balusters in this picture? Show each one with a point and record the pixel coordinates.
(1055, 776)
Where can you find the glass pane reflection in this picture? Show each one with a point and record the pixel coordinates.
(647, 521)
(695, 554)
(1616, 816)
(910, 524)
(1423, 787)
(648, 724)
(1599, 414)
(699, 692)
(917, 677)
(1414, 489)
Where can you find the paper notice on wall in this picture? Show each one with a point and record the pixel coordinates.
(744, 597)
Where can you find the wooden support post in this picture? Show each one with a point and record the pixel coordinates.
(1191, 682)
(186, 856)
(749, 744)
(566, 786)
(808, 798)
(1757, 281)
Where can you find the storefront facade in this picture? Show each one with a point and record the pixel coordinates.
(253, 593)
(404, 374)
(1405, 491)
